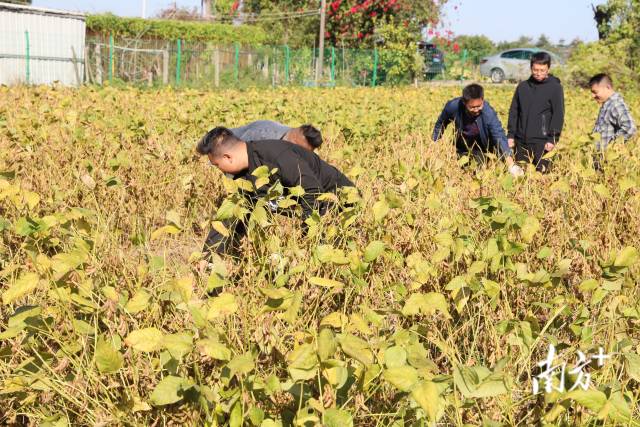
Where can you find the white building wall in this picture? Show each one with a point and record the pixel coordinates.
(53, 38)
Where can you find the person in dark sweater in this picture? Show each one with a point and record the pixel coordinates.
(306, 136)
(536, 116)
(478, 128)
(294, 166)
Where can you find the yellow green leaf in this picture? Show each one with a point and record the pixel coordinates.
(380, 209)
(214, 349)
(178, 345)
(145, 340)
(402, 377)
(138, 302)
(327, 344)
(426, 304)
(373, 250)
(334, 319)
(170, 390)
(325, 283)
(529, 228)
(626, 257)
(220, 228)
(427, 395)
(167, 229)
(221, 306)
(108, 359)
(24, 285)
(242, 364)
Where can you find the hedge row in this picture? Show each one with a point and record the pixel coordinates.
(173, 30)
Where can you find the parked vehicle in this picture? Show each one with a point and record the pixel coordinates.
(512, 64)
(433, 59)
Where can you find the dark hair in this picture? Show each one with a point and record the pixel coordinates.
(215, 140)
(472, 91)
(313, 135)
(601, 78)
(542, 58)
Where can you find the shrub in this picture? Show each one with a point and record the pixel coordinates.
(171, 30)
(599, 57)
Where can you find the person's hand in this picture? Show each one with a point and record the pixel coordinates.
(509, 161)
(549, 146)
(511, 142)
(516, 170)
(202, 266)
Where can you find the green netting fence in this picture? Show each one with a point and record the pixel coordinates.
(209, 65)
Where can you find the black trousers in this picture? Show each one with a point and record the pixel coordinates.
(473, 149)
(532, 152)
(221, 244)
(479, 156)
(237, 228)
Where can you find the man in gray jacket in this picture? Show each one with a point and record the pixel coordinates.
(306, 136)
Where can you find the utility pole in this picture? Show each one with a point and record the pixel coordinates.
(144, 9)
(206, 6)
(323, 10)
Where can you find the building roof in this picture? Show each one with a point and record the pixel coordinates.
(19, 8)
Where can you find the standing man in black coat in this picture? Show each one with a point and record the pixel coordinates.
(536, 115)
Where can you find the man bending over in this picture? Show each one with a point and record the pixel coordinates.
(294, 166)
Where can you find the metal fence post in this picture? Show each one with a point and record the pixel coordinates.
(374, 77)
(27, 57)
(87, 67)
(98, 64)
(274, 74)
(333, 64)
(165, 66)
(344, 66)
(286, 63)
(236, 64)
(110, 57)
(216, 64)
(463, 63)
(178, 61)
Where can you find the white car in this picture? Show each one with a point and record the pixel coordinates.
(512, 64)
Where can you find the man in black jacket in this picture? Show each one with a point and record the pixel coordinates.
(536, 115)
(294, 166)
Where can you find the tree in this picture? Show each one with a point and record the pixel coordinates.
(399, 58)
(575, 43)
(349, 22)
(617, 51)
(354, 22)
(291, 22)
(618, 21)
(220, 10)
(476, 46)
(523, 41)
(207, 7)
(613, 17)
(179, 13)
(544, 43)
(224, 8)
(23, 2)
